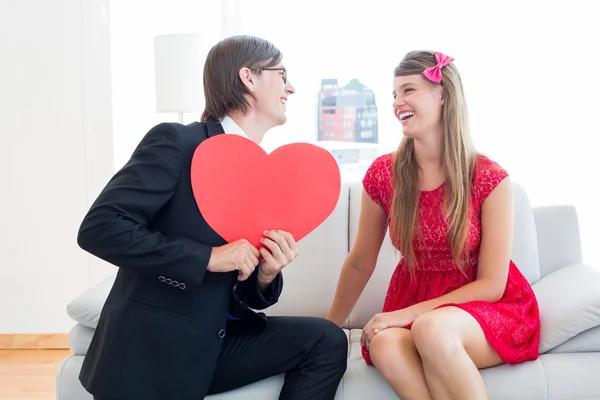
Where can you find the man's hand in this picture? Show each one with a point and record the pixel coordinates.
(280, 249)
(239, 255)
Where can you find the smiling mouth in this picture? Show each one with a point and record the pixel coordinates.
(406, 116)
(283, 100)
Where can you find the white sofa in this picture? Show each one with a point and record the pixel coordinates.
(546, 249)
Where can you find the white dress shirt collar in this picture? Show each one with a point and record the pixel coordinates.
(229, 126)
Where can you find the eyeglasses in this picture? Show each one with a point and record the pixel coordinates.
(283, 70)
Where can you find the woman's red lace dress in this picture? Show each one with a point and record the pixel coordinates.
(512, 324)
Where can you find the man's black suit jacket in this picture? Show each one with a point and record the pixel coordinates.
(160, 331)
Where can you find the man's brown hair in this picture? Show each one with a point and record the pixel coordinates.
(223, 88)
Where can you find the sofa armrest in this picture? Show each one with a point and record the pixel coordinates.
(86, 308)
(569, 303)
(559, 241)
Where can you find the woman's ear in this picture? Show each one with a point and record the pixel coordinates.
(247, 78)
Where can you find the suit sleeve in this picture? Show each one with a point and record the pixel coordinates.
(248, 292)
(116, 228)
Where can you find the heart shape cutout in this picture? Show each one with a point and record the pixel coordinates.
(242, 191)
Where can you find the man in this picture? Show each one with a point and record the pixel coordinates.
(178, 323)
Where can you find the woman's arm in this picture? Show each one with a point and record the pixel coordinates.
(360, 262)
(497, 222)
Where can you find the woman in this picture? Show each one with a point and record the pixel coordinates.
(456, 302)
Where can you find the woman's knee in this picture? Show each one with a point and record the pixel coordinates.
(388, 346)
(435, 335)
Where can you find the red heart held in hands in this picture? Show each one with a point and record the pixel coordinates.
(242, 191)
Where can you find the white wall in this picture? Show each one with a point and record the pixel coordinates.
(55, 154)
(58, 84)
(134, 104)
(529, 71)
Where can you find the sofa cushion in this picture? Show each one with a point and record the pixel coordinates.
(525, 247)
(265, 389)
(569, 303)
(523, 381)
(558, 237)
(68, 386)
(572, 376)
(586, 341)
(80, 338)
(86, 308)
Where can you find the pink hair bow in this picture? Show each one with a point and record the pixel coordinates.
(434, 73)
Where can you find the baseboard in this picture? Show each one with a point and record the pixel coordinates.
(34, 341)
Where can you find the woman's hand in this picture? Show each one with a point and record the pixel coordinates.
(379, 322)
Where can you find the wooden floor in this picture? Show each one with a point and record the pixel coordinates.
(29, 374)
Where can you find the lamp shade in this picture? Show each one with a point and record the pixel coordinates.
(178, 73)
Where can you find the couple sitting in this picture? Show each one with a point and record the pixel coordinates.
(456, 302)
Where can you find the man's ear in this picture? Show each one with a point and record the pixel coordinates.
(248, 78)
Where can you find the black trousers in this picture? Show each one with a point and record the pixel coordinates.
(312, 352)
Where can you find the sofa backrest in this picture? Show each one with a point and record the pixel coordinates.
(525, 252)
(558, 237)
(310, 281)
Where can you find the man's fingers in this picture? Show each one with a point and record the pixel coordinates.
(273, 247)
(250, 266)
(268, 257)
(280, 241)
(245, 271)
(242, 276)
(253, 259)
(253, 250)
(290, 241)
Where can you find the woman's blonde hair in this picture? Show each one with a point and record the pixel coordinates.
(459, 159)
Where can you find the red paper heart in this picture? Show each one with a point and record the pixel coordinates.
(242, 191)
